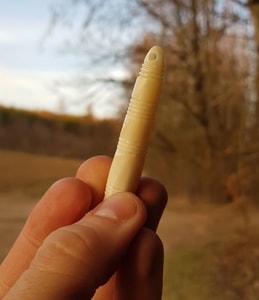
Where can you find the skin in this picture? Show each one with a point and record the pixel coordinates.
(74, 245)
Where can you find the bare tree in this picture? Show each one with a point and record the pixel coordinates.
(205, 89)
(203, 117)
(99, 34)
(252, 147)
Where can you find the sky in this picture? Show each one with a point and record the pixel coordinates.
(30, 63)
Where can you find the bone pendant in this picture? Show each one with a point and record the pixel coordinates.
(132, 146)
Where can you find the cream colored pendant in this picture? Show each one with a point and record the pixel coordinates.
(132, 146)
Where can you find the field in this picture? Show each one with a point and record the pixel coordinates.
(23, 179)
(210, 252)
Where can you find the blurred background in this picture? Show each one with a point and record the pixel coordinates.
(67, 69)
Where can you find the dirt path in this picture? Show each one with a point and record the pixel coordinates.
(177, 227)
(183, 228)
(199, 226)
(14, 209)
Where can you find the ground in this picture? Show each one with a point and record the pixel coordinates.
(211, 252)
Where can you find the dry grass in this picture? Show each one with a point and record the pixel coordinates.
(211, 252)
(208, 255)
(32, 173)
(23, 179)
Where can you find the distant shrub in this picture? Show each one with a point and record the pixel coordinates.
(30, 117)
(63, 135)
(72, 126)
(50, 123)
(5, 116)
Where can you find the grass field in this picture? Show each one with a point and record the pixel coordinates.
(23, 179)
(207, 255)
(32, 173)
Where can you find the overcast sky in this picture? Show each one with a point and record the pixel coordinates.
(28, 66)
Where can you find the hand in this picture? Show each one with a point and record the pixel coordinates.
(74, 245)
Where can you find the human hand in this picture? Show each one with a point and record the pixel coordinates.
(73, 243)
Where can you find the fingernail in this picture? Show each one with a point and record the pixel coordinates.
(121, 206)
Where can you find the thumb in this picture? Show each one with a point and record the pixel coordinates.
(75, 260)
